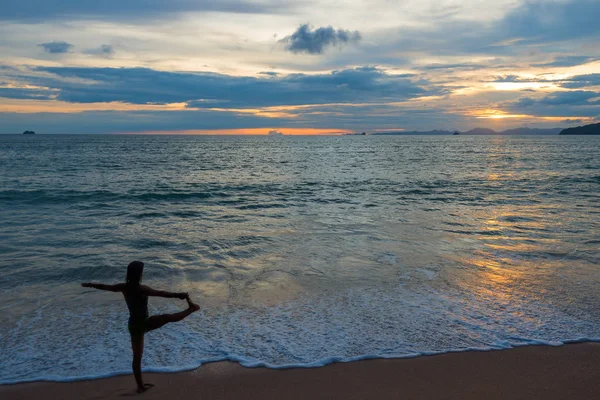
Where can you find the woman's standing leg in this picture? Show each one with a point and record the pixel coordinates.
(137, 345)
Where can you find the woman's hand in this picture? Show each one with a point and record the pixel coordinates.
(86, 284)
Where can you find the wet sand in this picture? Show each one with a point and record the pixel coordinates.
(533, 372)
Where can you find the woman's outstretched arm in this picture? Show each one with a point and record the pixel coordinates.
(111, 288)
(148, 291)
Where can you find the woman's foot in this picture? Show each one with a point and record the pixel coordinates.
(142, 389)
(191, 305)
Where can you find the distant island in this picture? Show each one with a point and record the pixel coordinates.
(593, 129)
(356, 134)
(29, 133)
(515, 131)
(480, 131)
(275, 133)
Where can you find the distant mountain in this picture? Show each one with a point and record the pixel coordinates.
(531, 131)
(515, 131)
(479, 131)
(593, 129)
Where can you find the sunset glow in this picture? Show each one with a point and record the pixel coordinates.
(252, 131)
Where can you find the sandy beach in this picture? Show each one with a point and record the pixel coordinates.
(533, 372)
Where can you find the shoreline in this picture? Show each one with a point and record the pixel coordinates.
(527, 372)
(312, 365)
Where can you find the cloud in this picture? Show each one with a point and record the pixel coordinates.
(305, 40)
(56, 47)
(336, 100)
(580, 103)
(524, 31)
(268, 73)
(576, 97)
(330, 117)
(439, 66)
(23, 93)
(573, 82)
(211, 90)
(543, 21)
(573, 97)
(567, 61)
(131, 121)
(510, 79)
(104, 50)
(44, 10)
(581, 81)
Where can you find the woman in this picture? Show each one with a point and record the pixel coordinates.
(136, 296)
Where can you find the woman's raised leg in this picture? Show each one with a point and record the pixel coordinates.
(156, 321)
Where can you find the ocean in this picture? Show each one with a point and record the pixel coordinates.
(301, 251)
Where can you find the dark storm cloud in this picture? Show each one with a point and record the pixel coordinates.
(43, 10)
(306, 40)
(205, 90)
(56, 47)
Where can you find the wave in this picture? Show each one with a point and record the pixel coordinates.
(40, 196)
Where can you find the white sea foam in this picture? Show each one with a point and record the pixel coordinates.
(397, 322)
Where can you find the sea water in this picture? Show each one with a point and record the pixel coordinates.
(301, 251)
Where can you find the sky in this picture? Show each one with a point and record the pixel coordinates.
(310, 67)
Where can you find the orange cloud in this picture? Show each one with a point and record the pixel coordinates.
(499, 114)
(55, 106)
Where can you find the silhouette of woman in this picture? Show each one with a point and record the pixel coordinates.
(136, 296)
